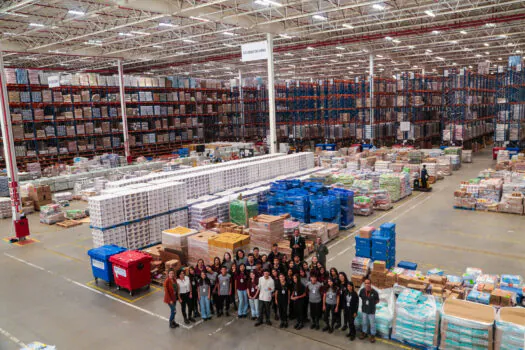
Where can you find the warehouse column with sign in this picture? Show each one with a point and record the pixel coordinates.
(271, 96)
(371, 82)
(123, 108)
(20, 222)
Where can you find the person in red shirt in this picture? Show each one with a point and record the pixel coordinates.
(241, 285)
(171, 295)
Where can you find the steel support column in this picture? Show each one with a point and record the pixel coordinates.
(123, 108)
(271, 94)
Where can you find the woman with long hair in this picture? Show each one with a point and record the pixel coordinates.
(343, 281)
(204, 293)
(298, 298)
(171, 295)
(227, 261)
(233, 271)
(253, 290)
(194, 280)
(185, 292)
(241, 285)
(217, 264)
(200, 267)
(330, 305)
(240, 257)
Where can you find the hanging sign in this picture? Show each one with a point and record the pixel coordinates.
(254, 51)
(53, 81)
(405, 126)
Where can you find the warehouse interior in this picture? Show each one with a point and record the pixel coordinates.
(124, 119)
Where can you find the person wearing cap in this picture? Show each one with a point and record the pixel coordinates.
(350, 301)
(266, 288)
(297, 244)
(369, 300)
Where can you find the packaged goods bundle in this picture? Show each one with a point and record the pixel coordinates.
(363, 206)
(486, 205)
(325, 208)
(75, 214)
(63, 196)
(503, 156)
(5, 208)
(360, 266)
(265, 230)
(381, 199)
(51, 214)
(510, 329)
(465, 200)
(242, 210)
(345, 180)
(467, 325)
(198, 246)
(314, 230)
(466, 156)
(417, 319)
(362, 187)
(431, 168)
(385, 311)
(290, 226)
(415, 157)
(476, 296)
(397, 167)
(227, 242)
(511, 203)
(177, 239)
(392, 184)
(382, 165)
(490, 189)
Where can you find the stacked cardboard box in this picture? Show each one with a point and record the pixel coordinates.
(265, 230)
(198, 247)
(467, 325)
(227, 242)
(41, 195)
(312, 231)
(378, 275)
(510, 328)
(283, 247)
(177, 240)
(500, 297)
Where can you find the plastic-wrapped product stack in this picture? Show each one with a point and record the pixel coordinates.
(382, 165)
(417, 319)
(510, 329)
(5, 208)
(325, 208)
(381, 199)
(385, 311)
(346, 200)
(346, 180)
(392, 184)
(363, 206)
(51, 214)
(467, 325)
(362, 187)
(177, 239)
(242, 210)
(4, 186)
(466, 156)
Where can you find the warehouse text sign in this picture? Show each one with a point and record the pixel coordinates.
(53, 81)
(254, 51)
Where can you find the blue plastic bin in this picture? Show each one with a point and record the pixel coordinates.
(513, 150)
(407, 265)
(362, 252)
(329, 147)
(102, 268)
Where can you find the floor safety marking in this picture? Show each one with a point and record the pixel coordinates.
(23, 243)
(92, 284)
(12, 338)
(99, 292)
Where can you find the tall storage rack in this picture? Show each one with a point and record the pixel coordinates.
(469, 107)
(510, 107)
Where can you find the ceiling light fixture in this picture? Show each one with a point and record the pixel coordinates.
(397, 41)
(490, 25)
(487, 53)
(310, 48)
(171, 25)
(411, 47)
(388, 38)
(463, 32)
(157, 46)
(430, 13)
(286, 36)
(268, 3)
(518, 51)
(229, 33)
(229, 45)
(486, 44)
(478, 55)
(339, 55)
(36, 25)
(453, 41)
(94, 42)
(435, 32)
(139, 32)
(348, 26)
(500, 59)
(380, 56)
(200, 19)
(288, 54)
(428, 50)
(76, 12)
(189, 41)
(440, 58)
(470, 67)
(334, 61)
(320, 17)
(304, 59)
(378, 6)
(503, 36)
(125, 34)
(340, 48)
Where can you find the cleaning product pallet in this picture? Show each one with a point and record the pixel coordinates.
(69, 223)
(471, 209)
(412, 345)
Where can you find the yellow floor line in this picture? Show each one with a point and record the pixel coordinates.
(465, 249)
(131, 301)
(64, 255)
(393, 343)
(17, 244)
(487, 237)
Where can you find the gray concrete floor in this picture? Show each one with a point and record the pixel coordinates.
(48, 293)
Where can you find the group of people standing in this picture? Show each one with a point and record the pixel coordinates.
(293, 289)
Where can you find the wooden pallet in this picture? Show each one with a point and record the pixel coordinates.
(68, 223)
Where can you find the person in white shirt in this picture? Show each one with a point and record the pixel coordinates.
(266, 289)
(185, 296)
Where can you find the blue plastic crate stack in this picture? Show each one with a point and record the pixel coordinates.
(381, 246)
(309, 202)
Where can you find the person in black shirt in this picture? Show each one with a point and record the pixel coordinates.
(274, 253)
(343, 281)
(424, 176)
(369, 299)
(350, 302)
(194, 280)
(276, 264)
(298, 298)
(282, 299)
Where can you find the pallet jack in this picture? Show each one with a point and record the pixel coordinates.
(418, 186)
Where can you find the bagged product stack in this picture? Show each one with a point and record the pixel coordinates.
(382, 165)
(5, 208)
(392, 184)
(198, 247)
(51, 214)
(346, 200)
(511, 203)
(510, 329)
(381, 200)
(242, 210)
(466, 156)
(467, 325)
(417, 319)
(265, 230)
(444, 166)
(360, 267)
(385, 310)
(363, 206)
(176, 239)
(227, 242)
